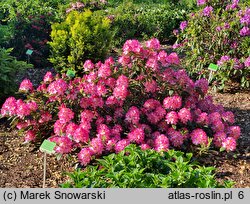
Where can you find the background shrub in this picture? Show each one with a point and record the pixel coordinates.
(83, 35)
(9, 67)
(135, 168)
(30, 25)
(144, 21)
(219, 37)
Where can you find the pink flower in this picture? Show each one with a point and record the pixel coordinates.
(81, 135)
(145, 146)
(86, 125)
(202, 119)
(70, 129)
(111, 100)
(137, 136)
(245, 31)
(91, 77)
(65, 114)
(172, 102)
(110, 145)
(45, 117)
(207, 11)
(150, 86)
(120, 145)
(57, 87)
(173, 58)
(162, 57)
(122, 81)
(30, 136)
(88, 65)
(104, 71)
(198, 137)
(41, 88)
(172, 118)
(214, 117)
(176, 138)
(218, 126)
(64, 145)
(228, 117)
(185, 115)
(26, 85)
(110, 61)
(152, 62)
(219, 138)
(234, 132)
(132, 46)
(22, 109)
(151, 104)
(120, 92)
(153, 118)
(161, 143)
(177, 45)
(110, 82)
(84, 156)
(116, 130)
(32, 105)
(119, 113)
(59, 128)
(96, 146)
(160, 112)
(96, 102)
(85, 102)
(9, 107)
(48, 77)
(229, 144)
(183, 25)
(101, 90)
(202, 85)
(22, 125)
(153, 44)
(87, 116)
(103, 132)
(223, 60)
(201, 2)
(124, 60)
(247, 62)
(133, 115)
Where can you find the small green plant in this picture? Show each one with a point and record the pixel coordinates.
(8, 69)
(83, 35)
(136, 168)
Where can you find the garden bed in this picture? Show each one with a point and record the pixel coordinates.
(22, 165)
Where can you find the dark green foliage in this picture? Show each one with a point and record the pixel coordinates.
(28, 25)
(9, 67)
(135, 168)
(144, 21)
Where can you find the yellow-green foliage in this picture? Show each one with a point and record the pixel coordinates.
(83, 35)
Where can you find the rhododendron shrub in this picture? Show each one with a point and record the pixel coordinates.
(219, 33)
(137, 99)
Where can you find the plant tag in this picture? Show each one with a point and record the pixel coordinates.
(48, 147)
(71, 73)
(29, 52)
(213, 67)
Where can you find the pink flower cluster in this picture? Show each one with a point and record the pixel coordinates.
(109, 107)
